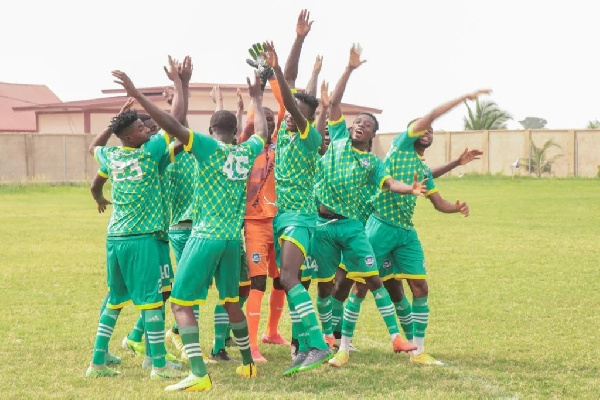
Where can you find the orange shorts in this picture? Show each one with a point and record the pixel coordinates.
(260, 250)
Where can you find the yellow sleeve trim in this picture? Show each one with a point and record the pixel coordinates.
(261, 140)
(96, 154)
(187, 147)
(166, 137)
(102, 174)
(172, 153)
(385, 178)
(294, 90)
(235, 299)
(411, 133)
(304, 134)
(429, 192)
(185, 302)
(339, 121)
(342, 267)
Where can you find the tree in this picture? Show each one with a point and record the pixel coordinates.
(595, 124)
(487, 116)
(538, 161)
(533, 123)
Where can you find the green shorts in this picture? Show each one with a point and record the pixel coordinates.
(244, 277)
(293, 227)
(397, 250)
(203, 259)
(347, 237)
(309, 268)
(178, 239)
(133, 272)
(166, 269)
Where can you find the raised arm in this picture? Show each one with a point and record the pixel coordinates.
(286, 93)
(163, 119)
(260, 121)
(179, 102)
(335, 113)
(424, 123)
(311, 86)
(217, 97)
(322, 120)
(102, 138)
(97, 192)
(466, 157)
(291, 66)
(417, 188)
(185, 74)
(239, 114)
(445, 206)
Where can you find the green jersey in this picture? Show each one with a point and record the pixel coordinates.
(344, 172)
(135, 186)
(163, 165)
(296, 156)
(182, 176)
(403, 161)
(220, 196)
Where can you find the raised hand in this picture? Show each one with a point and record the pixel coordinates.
(215, 94)
(355, 61)
(475, 95)
(325, 96)
(186, 69)
(318, 64)
(102, 203)
(168, 94)
(419, 188)
(463, 208)
(173, 70)
(123, 80)
(240, 100)
(270, 55)
(469, 155)
(303, 26)
(254, 88)
(127, 105)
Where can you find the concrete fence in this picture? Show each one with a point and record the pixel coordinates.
(64, 157)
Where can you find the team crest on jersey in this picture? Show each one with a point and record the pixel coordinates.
(366, 163)
(272, 146)
(369, 260)
(255, 258)
(387, 264)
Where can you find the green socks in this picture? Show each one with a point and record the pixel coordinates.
(351, 312)
(221, 325)
(240, 333)
(107, 322)
(155, 333)
(304, 307)
(324, 308)
(298, 331)
(190, 337)
(386, 309)
(420, 312)
(404, 313)
(337, 309)
(138, 330)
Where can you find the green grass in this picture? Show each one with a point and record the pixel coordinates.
(514, 294)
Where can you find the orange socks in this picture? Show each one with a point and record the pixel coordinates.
(253, 315)
(276, 304)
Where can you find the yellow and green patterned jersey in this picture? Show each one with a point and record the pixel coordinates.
(135, 186)
(365, 206)
(344, 172)
(296, 156)
(163, 165)
(220, 197)
(402, 161)
(182, 175)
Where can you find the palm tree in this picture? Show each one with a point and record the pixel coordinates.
(487, 116)
(595, 124)
(538, 161)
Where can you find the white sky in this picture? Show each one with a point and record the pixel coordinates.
(539, 57)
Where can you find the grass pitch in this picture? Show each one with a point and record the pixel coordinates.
(514, 296)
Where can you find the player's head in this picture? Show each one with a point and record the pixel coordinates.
(307, 104)
(130, 129)
(223, 125)
(150, 124)
(364, 128)
(425, 140)
(270, 116)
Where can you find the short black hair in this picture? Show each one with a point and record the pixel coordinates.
(223, 120)
(123, 121)
(144, 117)
(374, 120)
(308, 99)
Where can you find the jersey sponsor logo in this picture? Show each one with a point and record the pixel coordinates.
(366, 163)
(369, 260)
(255, 258)
(387, 264)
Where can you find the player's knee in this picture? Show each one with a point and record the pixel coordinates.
(324, 289)
(277, 284)
(360, 290)
(259, 283)
(373, 282)
(341, 288)
(394, 288)
(418, 287)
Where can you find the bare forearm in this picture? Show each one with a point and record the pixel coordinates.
(443, 169)
(288, 100)
(163, 119)
(311, 86)
(425, 122)
(335, 111)
(321, 125)
(178, 109)
(445, 206)
(291, 65)
(97, 187)
(260, 121)
(398, 187)
(100, 140)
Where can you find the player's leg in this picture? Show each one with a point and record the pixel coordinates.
(402, 306)
(189, 288)
(227, 278)
(178, 237)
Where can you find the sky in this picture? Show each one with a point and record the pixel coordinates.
(536, 56)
